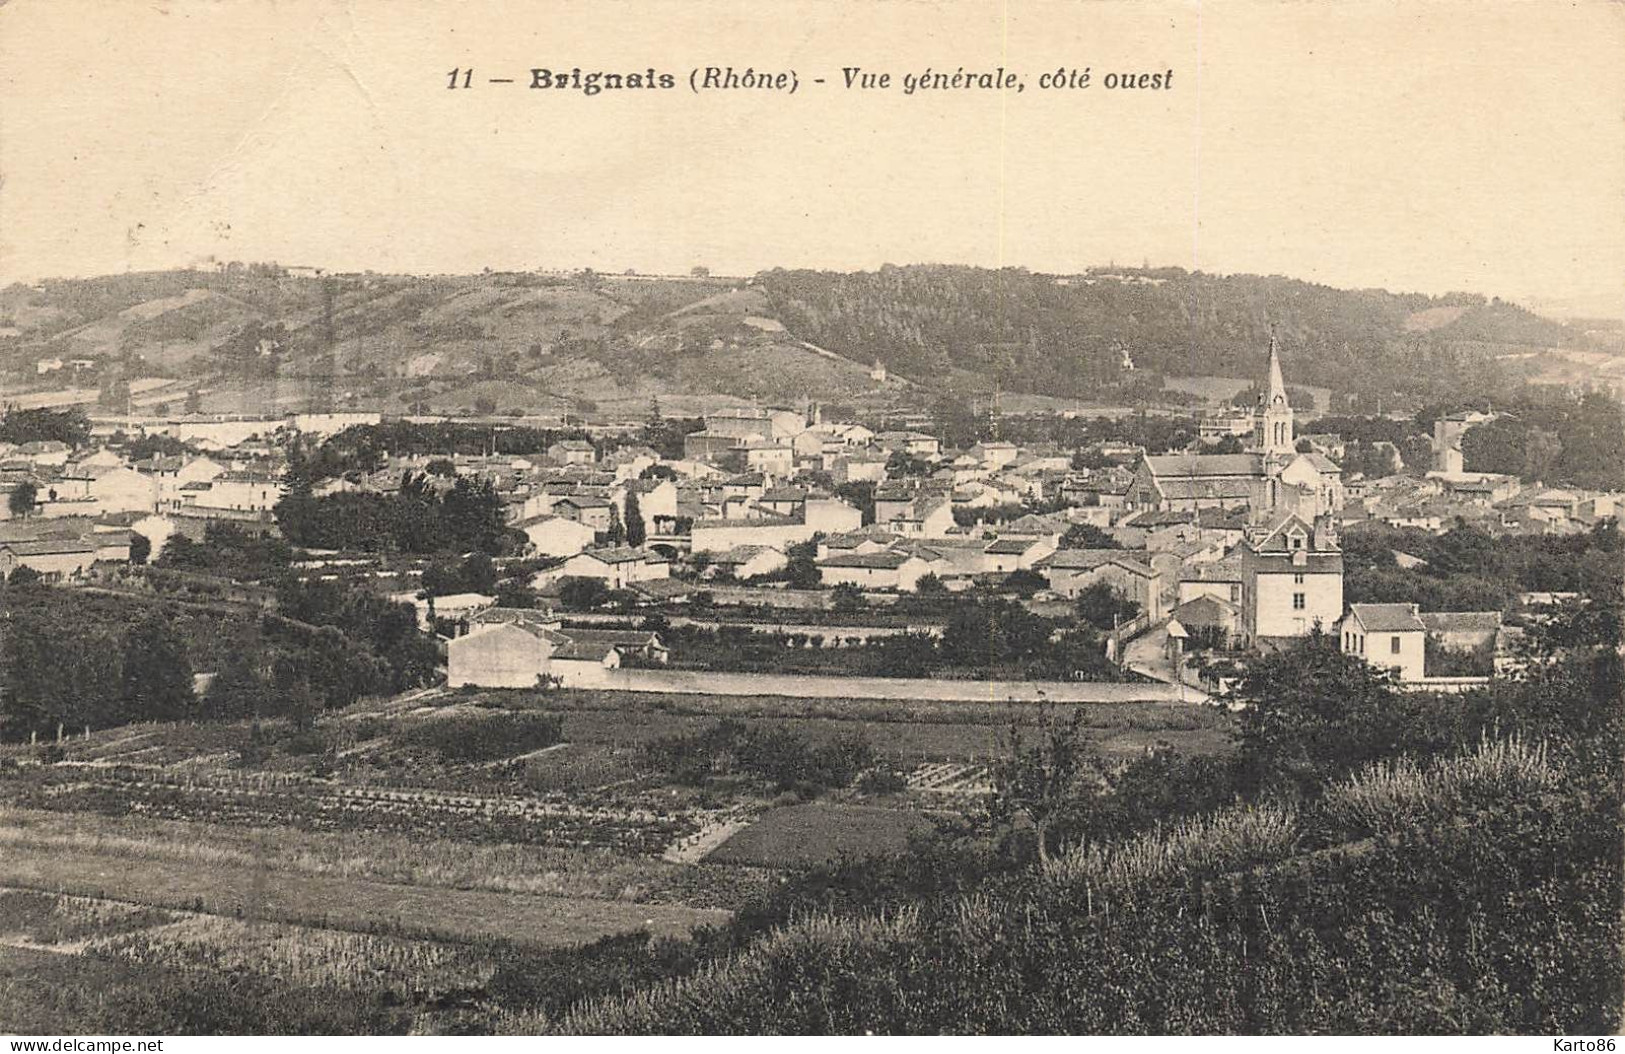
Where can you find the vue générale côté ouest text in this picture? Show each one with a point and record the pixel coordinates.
(944, 80)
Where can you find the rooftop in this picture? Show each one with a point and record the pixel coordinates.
(1388, 618)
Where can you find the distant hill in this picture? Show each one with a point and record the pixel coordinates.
(1069, 335)
(256, 337)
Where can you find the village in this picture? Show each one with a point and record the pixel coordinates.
(834, 544)
(474, 695)
(774, 520)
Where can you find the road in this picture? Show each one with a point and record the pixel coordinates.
(1147, 655)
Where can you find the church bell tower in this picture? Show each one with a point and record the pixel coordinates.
(1272, 421)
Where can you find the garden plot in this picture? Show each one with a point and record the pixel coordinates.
(801, 835)
(263, 800)
(946, 778)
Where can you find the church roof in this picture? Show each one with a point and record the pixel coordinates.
(1185, 489)
(1190, 466)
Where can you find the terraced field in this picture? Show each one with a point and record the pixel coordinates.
(368, 875)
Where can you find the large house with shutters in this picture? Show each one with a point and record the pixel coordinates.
(1291, 579)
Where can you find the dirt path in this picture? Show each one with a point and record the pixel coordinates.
(700, 844)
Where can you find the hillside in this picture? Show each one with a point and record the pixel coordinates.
(256, 338)
(1069, 335)
(1404, 901)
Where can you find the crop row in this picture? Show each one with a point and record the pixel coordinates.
(946, 778)
(483, 820)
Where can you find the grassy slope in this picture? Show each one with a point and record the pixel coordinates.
(1472, 896)
(691, 343)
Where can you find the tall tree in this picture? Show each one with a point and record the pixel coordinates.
(22, 498)
(157, 673)
(635, 530)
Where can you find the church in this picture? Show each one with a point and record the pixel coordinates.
(1271, 478)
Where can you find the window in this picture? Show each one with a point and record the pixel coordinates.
(1298, 605)
(1297, 579)
(1393, 645)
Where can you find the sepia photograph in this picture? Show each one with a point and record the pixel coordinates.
(811, 517)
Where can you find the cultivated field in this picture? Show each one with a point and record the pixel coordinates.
(815, 832)
(414, 859)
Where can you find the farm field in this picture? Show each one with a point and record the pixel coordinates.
(378, 856)
(454, 841)
(798, 835)
(94, 965)
(358, 905)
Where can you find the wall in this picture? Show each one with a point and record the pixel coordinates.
(1273, 612)
(708, 683)
(499, 657)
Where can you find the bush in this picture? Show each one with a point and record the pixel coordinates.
(884, 780)
(778, 756)
(487, 737)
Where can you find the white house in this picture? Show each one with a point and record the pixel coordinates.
(573, 452)
(657, 498)
(121, 489)
(1292, 579)
(236, 491)
(1388, 636)
(859, 468)
(1071, 571)
(51, 558)
(1016, 554)
(499, 655)
(882, 570)
(589, 509)
(617, 568)
(764, 455)
(915, 444)
(512, 648)
(556, 536)
(828, 516)
(745, 562)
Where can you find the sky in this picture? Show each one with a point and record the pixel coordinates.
(1429, 147)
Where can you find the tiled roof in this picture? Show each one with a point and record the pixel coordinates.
(624, 555)
(1175, 466)
(886, 560)
(1205, 610)
(1388, 618)
(1485, 622)
(1080, 559)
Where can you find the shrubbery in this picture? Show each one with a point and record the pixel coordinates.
(486, 737)
(774, 755)
(1499, 916)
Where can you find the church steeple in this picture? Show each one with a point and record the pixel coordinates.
(1277, 387)
(1272, 422)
